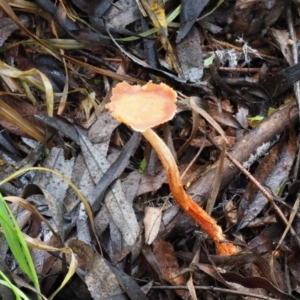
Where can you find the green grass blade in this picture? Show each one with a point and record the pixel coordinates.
(16, 243)
(18, 293)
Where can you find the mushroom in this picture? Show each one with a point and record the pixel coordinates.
(145, 107)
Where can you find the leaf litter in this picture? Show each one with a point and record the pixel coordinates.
(73, 173)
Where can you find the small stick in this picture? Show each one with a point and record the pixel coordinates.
(212, 288)
(269, 197)
(239, 70)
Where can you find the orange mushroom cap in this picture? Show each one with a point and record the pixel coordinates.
(142, 107)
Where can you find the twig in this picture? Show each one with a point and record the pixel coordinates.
(213, 289)
(241, 70)
(269, 197)
(265, 133)
(266, 194)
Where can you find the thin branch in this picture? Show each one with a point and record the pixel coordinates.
(269, 197)
(212, 289)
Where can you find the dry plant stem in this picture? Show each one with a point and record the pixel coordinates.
(213, 289)
(239, 70)
(207, 223)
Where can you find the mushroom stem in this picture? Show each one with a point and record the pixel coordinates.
(206, 222)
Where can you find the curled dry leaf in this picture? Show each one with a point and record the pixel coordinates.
(39, 245)
(28, 76)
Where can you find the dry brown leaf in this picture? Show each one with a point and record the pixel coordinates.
(152, 220)
(275, 167)
(217, 273)
(168, 264)
(150, 183)
(84, 253)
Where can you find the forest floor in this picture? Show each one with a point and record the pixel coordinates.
(200, 203)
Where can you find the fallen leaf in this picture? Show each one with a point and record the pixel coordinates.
(190, 56)
(190, 11)
(266, 240)
(8, 26)
(151, 183)
(131, 288)
(257, 282)
(283, 163)
(100, 280)
(281, 39)
(114, 171)
(168, 264)
(152, 220)
(120, 210)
